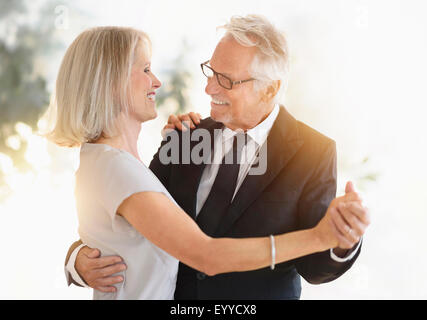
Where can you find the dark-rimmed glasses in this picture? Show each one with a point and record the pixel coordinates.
(223, 80)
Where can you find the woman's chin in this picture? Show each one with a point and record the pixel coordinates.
(146, 117)
(152, 115)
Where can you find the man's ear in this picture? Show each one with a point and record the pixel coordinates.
(274, 88)
(271, 90)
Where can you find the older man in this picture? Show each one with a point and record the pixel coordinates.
(247, 75)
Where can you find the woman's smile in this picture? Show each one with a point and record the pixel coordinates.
(151, 96)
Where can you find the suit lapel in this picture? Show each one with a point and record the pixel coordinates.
(191, 174)
(282, 143)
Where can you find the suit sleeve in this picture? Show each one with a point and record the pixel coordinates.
(318, 193)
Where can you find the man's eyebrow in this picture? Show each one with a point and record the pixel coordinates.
(225, 74)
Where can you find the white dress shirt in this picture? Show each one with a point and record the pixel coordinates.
(222, 144)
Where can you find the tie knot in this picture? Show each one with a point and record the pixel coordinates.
(234, 155)
(240, 140)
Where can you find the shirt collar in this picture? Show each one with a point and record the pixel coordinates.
(260, 132)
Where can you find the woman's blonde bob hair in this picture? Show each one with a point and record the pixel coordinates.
(93, 86)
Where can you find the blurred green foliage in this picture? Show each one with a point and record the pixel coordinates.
(24, 40)
(175, 83)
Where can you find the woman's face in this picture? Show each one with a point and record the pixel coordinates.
(143, 86)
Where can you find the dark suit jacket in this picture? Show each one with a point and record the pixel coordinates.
(293, 194)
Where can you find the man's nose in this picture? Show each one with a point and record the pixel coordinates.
(212, 87)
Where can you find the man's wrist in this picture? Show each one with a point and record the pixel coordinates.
(70, 268)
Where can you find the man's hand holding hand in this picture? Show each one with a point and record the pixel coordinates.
(345, 222)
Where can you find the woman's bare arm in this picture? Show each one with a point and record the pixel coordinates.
(171, 229)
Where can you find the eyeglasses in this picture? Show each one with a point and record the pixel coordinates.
(223, 80)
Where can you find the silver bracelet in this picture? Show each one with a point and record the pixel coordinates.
(273, 252)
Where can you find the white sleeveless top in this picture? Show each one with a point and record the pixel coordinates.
(105, 178)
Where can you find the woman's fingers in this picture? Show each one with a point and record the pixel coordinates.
(195, 117)
(346, 236)
(334, 236)
(176, 122)
(166, 129)
(190, 119)
(356, 216)
(349, 217)
(184, 121)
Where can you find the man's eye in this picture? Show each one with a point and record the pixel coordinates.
(147, 70)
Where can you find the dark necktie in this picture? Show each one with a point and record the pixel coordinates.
(221, 194)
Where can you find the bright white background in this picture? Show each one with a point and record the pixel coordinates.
(358, 75)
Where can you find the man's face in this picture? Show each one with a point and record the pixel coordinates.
(241, 107)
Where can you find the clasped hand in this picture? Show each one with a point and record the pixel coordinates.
(345, 221)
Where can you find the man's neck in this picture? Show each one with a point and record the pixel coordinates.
(246, 127)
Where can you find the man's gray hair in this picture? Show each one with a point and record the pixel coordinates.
(272, 59)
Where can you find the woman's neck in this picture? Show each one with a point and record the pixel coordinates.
(127, 138)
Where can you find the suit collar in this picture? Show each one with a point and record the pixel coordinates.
(260, 132)
(282, 143)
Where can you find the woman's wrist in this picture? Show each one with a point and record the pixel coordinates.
(319, 241)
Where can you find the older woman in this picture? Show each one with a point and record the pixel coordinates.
(104, 91)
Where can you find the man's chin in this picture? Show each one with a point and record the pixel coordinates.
(213, 116)
(217, 116)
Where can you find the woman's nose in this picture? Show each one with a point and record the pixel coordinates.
(156, 82)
